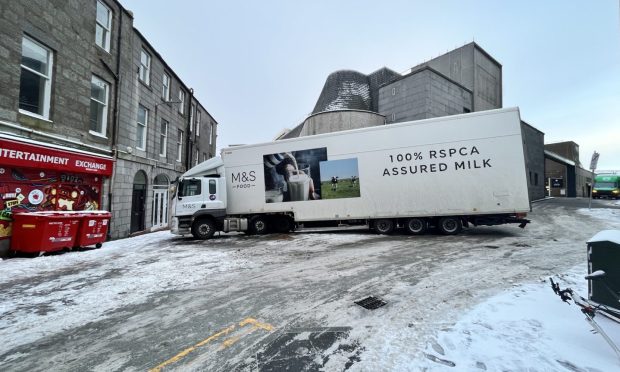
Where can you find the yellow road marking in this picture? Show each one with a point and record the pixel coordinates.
(227, 343)
(257, 324)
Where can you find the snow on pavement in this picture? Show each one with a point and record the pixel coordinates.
(526, 328)
(77, 288)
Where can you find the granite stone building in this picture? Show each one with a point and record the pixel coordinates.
(91, 115)
(464, 80)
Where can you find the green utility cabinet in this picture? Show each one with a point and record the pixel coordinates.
(604, 254)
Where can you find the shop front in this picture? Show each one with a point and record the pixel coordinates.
(39, 177)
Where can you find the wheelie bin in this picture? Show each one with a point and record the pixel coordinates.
(38, 232)
(93, 228)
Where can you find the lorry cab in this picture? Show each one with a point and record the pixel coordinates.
(606, 185)
(199, 204)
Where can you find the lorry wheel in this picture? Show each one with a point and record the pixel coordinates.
(282, 224)
(449, 225)
(416, 226)
(258, 225)
(384, 226)
(203, 229)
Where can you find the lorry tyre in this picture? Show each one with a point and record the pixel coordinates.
(203, 229)
(416, 226)
(384, 226)
(258, 225)
(282, 224)
(449, 225)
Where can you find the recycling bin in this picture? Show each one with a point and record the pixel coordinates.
(38, 232)
(93, 228)
(604, 254)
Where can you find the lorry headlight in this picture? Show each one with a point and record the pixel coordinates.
(615, 191)
(594, 191)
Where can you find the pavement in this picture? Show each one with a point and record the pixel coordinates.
(270, 303)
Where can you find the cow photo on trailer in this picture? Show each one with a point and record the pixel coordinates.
(340, 179)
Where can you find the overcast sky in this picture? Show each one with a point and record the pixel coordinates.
(259, 66)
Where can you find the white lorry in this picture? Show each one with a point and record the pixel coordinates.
(445, 172)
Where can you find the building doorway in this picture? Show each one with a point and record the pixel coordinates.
(138, 202)
(159, 218)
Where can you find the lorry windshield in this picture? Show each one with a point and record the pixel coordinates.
(189, 187)
(605, 185)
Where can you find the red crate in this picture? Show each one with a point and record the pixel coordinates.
(44, 231)
(93, 228)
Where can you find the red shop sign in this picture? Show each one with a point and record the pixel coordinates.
(20, 154)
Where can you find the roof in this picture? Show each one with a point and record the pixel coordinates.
(561, 159)
(606, 236)
(209, 167)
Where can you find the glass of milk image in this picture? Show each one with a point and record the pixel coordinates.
(274, 195)
(299, 183)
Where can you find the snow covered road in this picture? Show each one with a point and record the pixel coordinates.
(242, 302)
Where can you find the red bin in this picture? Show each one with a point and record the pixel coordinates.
(44, 231)
(93, 228)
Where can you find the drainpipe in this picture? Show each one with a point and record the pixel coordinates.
(188, 141)
(116, 119)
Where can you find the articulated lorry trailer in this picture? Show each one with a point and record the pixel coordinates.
(445, 173)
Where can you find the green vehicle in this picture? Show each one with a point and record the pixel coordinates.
(606, 186)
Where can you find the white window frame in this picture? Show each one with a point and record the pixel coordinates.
(47, 89)
(142, 146)
(211, 134)
(197, 122)
(393, 91)
(179, 144)
(197, 157)
(104, 119)
(145, 69)
(204, 156)
(107, 28)
(163, 137)
(165, 88)
(182, 102)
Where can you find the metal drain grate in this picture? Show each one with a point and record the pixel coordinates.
(371, 303)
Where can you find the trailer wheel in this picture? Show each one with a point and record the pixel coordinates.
(282, 224)
(449, 225)
(384, 226)
(416, 226)
(258, 225)
(203, 229)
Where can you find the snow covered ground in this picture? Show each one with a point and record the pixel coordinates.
(480, 301)
(528, 328)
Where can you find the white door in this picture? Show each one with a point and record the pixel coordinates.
(160, 207)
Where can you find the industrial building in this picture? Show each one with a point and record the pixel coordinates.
(564, 173)
(464, 80)
(91, 116)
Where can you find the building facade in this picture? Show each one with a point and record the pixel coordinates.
(91, 116)
(565, 176)
(464, 80)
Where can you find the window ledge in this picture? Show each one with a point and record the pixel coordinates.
(97, 134)
(102, 48)
(144, 83)
(36, 116)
